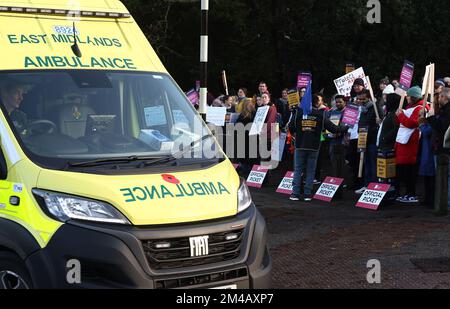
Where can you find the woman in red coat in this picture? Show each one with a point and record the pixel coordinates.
(407, 145)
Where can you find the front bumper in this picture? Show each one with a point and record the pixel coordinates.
(114, 257)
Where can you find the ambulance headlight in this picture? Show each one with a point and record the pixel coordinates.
(65, 207)
(244, 197)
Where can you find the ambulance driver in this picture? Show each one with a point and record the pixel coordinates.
(11, 96)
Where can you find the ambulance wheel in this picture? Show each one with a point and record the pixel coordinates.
(13, 273)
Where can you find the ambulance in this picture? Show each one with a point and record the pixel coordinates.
(109, 178)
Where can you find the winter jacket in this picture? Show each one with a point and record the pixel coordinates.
(388, 133)
(440, 124)
(308, 130)
(426, 166)
(406, 154)
(368, 120)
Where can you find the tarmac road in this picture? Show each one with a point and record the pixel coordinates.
(320, 245)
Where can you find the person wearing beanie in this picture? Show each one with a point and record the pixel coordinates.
(447, 82)
(407, 145)
(439, 85)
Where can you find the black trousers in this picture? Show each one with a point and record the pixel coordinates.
(407, 176)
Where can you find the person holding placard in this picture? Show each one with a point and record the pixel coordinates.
(245, 118)
(407, 145)
(368, 121)
(352, 139)
(337, 147)
(270, 122)
(308, 131)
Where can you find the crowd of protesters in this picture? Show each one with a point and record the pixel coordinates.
(414, 134)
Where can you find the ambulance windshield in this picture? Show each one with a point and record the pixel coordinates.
(77, 116)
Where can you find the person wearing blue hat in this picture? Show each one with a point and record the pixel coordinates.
(407, 145)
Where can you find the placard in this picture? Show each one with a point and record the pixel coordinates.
(373, 196)
(386, 165)
(286, 185)
(429, 75)
(293, 98)
(303, 79)
(344, 84)
(216, 115)
(349, 67)
(407, 75)
(362, 139)
(351, 115)
(278, 147)
(258, 122)
(155, 116)
(193, 96)
(328, 189)
(179, 117)
(257, 176)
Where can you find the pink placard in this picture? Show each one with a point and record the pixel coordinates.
(328, 189)
(285, 186)
(193, 96)
(406, 76)
(373, 196)
(257, 176)
(303, 80)
(351, 115)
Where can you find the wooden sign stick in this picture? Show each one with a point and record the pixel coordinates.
(402, 101)
(361, 165)
(373, 100)
(431, 80)
(225, 83)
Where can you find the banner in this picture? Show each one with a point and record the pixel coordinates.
(257, 176)
(303, 80)
(286, 185)
(328, 189)
(344, 84)
(373, 196)
(258, 122)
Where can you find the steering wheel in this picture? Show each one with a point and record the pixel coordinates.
(41, 127)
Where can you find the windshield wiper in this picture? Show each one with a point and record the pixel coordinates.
(116, 160)
(145, 161)
(178, 155)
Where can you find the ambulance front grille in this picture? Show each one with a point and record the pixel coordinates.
(178, 255)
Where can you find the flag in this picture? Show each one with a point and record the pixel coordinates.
(306, 103)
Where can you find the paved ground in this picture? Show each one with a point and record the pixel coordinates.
(322, 245)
